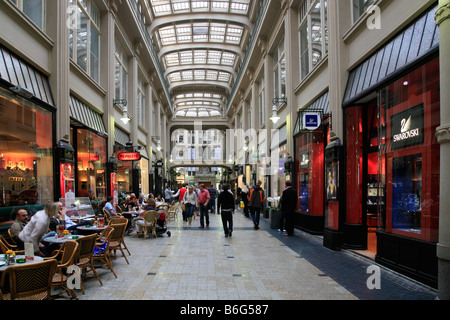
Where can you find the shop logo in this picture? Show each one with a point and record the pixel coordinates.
(407, 128)
(311, 121)
(129, 156)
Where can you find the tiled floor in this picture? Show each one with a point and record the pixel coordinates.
(201, 264)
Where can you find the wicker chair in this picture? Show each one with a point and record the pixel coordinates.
(147, 223)
(29, 281)
(117, 221)
(11, 237)
(172, 212)
(84, 256)
(5, 246)
(117, 239)
(66, 254)
(103, 253)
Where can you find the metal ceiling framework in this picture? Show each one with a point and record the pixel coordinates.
(200, 45)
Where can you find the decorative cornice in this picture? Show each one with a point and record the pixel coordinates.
(443, 12)
(443, 134)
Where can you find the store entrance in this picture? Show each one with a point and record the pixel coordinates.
(374, 173)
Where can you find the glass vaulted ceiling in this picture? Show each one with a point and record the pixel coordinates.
(200, 47)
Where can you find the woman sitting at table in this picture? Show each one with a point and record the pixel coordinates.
(37, 228)
(151, 205)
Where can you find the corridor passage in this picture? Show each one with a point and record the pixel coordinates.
(201, 264)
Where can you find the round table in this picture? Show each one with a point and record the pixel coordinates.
(92, 229)
(36, 259)
(55, 239)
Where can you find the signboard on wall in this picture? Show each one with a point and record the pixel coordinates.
(129, 156)
(407, 128)
(311, 120)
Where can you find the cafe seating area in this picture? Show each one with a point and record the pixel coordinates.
(84, 256)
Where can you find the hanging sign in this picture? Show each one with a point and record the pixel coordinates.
(129, 156)
(311, 120)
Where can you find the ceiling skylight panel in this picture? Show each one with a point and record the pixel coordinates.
(187, 75)
(224, 76)
(220, 5)
(180, 6)
(200, 5)
(239, 7)
(211, 75)
(160, 10)
(199, 74)
(174, 77)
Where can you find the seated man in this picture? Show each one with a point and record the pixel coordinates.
(110, 208)
(19, 223)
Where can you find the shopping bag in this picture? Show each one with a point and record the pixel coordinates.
(241, 205)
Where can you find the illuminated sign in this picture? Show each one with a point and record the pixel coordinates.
(311, 121)
(407, 128)
(129, 156)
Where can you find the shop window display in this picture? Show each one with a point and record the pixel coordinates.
(26, 153)
(91, 164)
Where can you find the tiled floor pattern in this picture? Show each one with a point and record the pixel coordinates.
(201, 264)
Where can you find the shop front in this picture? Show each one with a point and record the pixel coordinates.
(89, 141)
(310, 139)
(392, 154)
(27, 137)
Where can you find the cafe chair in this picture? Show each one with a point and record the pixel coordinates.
(11, 237)
(117, 239)
(5, 246)
(29, 281)
(65, 257)
(172, 212)
(102, 253)
(163, 207)
(107, 215)
(84, 258)
(147, 224)
(121, 220)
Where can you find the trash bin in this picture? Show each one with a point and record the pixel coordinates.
(274, 219)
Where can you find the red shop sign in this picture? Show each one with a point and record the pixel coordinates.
(129, 156)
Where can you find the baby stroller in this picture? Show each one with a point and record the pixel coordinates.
(161, 224)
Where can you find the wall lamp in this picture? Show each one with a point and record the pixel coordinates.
(158, 147)
(123, 103)
(276, 102)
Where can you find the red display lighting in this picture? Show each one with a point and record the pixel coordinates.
(129, 156)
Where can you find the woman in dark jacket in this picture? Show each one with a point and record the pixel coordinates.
(225, 205)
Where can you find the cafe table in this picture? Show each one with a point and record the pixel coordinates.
(4, 265)
(60, 240)
(92, 229)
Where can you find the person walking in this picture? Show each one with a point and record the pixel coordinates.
(202, 204)
(190, 202)
(256, 200)
(225, 205)
(244, 195)
(168, 195)
(212, 202)
(288, 203)
(180, 194)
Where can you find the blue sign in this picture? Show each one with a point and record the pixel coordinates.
(311, 121)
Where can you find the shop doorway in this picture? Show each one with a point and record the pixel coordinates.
(374, 173)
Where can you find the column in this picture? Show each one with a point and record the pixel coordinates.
(61, 70)
(443, 136)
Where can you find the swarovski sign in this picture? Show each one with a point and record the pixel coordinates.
(407, 128)
(311, 120)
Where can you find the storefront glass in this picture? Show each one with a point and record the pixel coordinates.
(124, 173)
(310, 172)
(91, 164)
(26, 152)
(411, 107)
(145, 183)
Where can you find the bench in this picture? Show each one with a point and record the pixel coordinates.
(8, 214)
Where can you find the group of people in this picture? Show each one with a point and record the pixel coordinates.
(32, 230)
(254, 202)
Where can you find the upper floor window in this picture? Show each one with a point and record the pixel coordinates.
(359, 7)
(141, 104)
(84, 37)
(279, 71)
(120, 73)
(313, 32)
(33, 9)
(262, 108)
